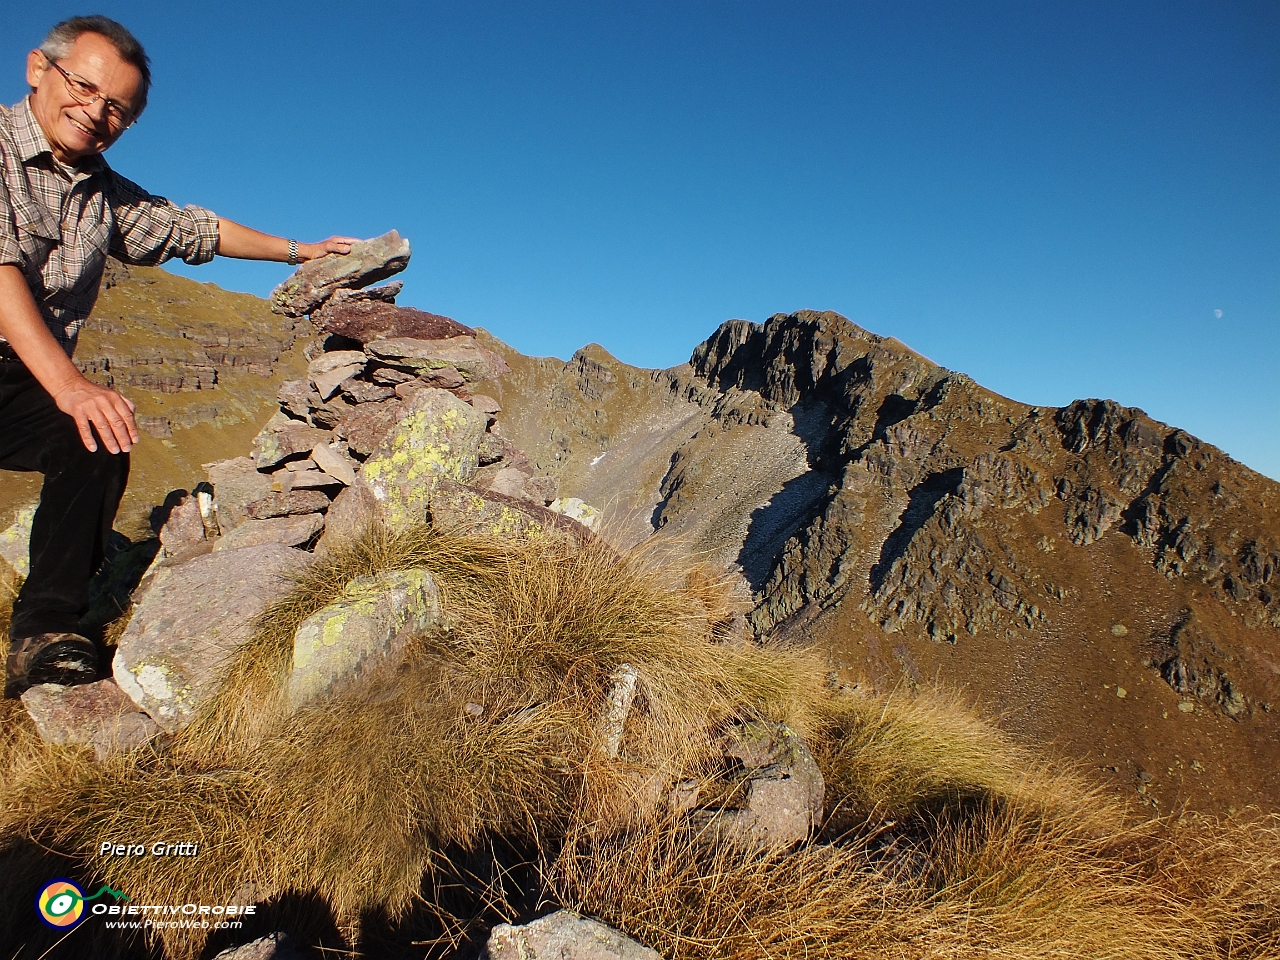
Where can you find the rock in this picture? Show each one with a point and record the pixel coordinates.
(386, 293)
(362, 391)
(312, 480)
(617, 706)
(435, 439)
(486, 404)
(575, 509)
(564, 935)
(367, 627)
(299, 398)
(98, 715)
(332, 413)
(15, 541)
(350, 514)
(276, 504)
(491, 450)
(184, 528)
(317, 280)
(236, 484)
(785, 790)
(275, 946)
(329, 370)
(444, 378)
(467, 510)
(391, 376)
(466, 356)
(289, 531)
(271, 447)
(191, 620)
(509, 482)
(335, 463)
(543, 489)
(367, 426)
(366, 320)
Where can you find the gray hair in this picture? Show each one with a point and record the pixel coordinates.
(57, 44)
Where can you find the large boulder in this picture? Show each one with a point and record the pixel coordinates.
(98, 715)
(365, 320)
(191, 620)
(437, 438)
(564, 935)
(464, 354)
(316, 280)
(367, 627)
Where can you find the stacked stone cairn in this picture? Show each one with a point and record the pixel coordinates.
(389, 426)
(389, 423)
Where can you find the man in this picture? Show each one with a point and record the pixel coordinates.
(62, 210)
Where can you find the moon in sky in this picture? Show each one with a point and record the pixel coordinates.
(1218, 314)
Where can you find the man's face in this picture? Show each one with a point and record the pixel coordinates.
(76, 130)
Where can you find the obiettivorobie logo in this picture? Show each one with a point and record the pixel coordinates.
(61, 903)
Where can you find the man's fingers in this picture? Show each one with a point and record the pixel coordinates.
(86, 434)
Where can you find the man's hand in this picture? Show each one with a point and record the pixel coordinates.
(310, 251)
(103, 409)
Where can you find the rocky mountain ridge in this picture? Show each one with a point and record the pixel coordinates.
(1108, 579)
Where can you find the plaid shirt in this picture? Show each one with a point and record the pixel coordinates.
(58, 223)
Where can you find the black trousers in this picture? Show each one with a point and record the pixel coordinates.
(78, 503)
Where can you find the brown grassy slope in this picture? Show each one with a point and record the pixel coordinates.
(156, 337)
(944, 838)
(885, 507)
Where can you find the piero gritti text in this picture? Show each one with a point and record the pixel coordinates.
(158, 849)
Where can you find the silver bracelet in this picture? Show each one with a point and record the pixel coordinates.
(293, 253)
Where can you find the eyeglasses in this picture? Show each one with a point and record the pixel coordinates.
(118, 115)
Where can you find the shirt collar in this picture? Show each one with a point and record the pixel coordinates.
(32, 142)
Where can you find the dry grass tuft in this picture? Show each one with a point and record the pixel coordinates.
(944, 838)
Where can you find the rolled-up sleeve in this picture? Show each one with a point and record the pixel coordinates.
(150, 230)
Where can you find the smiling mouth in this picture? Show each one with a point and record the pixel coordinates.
(91, 134)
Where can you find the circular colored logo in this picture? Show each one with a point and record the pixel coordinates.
(61, 904)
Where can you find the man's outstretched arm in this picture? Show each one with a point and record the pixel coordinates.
(20, 323)
(243, 243)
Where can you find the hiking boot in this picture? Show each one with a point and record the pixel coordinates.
(64, 658)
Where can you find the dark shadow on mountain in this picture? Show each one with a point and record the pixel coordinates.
(923, 500)
(800, 500)
(788, 511)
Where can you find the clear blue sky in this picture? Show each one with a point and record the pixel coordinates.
(1060, 199)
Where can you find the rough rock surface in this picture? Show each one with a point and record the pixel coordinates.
(15, 541)
(365, 320)
(437, 438)
(784, 787)
(236, 484)
(367, 628)
(564, 935)
(189, 622)
(287, 531)
(98, 715)
(464, 509)
(463, 354)
(315, 281)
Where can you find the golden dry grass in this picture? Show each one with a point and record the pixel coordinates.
(944, 838)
